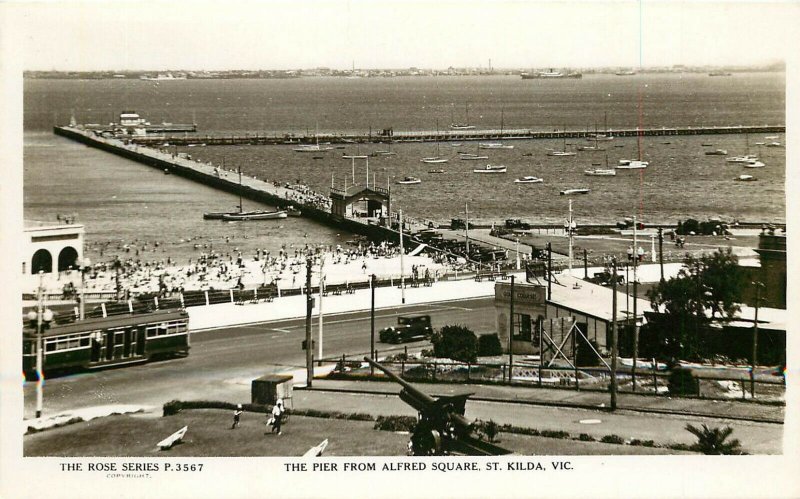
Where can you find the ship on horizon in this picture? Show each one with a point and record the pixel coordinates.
(550, 74)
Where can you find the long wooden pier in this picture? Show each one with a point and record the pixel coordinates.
(271, 193)
(389, 135)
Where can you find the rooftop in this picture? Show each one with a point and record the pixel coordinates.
(593, 300)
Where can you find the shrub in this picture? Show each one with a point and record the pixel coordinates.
(613, 439)
(682, 382)
(488, 428)
(455, 342)
(489, 344)
(172, 407)
(395, 423)
(678, 447)
(554, 434)
(360, 416)
(643, 443)
(520, 430)
(585, 437)
(714, 441)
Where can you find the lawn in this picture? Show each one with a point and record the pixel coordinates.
(209, 435)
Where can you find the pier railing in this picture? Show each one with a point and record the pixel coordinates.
(450, 135)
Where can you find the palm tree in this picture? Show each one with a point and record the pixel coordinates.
(711, 441)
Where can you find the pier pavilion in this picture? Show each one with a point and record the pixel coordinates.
(358, 200)
(51, 248)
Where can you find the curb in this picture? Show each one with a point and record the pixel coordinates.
(334, 314)
(564, 405)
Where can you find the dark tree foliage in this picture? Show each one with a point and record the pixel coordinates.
(455, 342)
(489, 344)
(705, 289)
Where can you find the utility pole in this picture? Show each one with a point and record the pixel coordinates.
(614, 334)
(39, 347)
(511, 334)
(466, 227)
(309, 307)
(321, 291)
(402, 264)
(372, 324)
(585, 264)
(549, 271)
(758, 286)
(635, 303)
(661, 251)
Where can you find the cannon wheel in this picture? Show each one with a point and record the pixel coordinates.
(426, 442)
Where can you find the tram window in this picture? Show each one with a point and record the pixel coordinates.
(85, 341)
(50, 346)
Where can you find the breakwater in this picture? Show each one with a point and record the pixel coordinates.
(390, 135)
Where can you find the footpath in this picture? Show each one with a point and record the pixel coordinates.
(552, 397)
(294, 307)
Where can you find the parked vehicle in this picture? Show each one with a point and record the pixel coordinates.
(409, 328)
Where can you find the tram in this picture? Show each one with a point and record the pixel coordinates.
(108, 341)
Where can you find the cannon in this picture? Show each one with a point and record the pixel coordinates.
(441, 427)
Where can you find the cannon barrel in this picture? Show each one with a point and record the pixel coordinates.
(416, 394)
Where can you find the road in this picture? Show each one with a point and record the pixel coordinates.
(223, 361)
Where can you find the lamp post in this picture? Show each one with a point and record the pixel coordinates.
(613, 334)
(321, 291)
(372, 323)
(570, 227)
(85, 266)
(466, 228)
(661, 251)
(638, 254)
(309, 307)
(758, 286)
(402, 263)
(511, 335)
(42, 318)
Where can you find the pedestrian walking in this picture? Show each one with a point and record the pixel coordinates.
(277, 416)
(237, 414)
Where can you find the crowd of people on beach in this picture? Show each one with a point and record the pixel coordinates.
(127, 271)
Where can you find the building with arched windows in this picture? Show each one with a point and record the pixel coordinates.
(51, 248)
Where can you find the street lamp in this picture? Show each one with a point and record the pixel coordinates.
(759, 286)
(85, 265)
(570, 227)
(41, 318)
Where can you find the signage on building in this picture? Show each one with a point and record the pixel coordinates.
(524, 294)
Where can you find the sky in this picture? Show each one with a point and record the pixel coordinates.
(191, 35)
